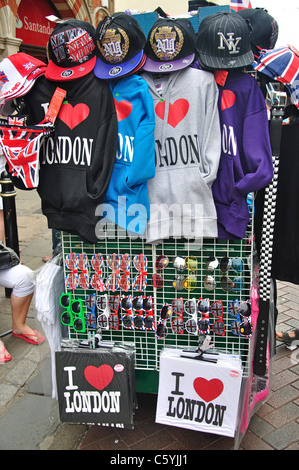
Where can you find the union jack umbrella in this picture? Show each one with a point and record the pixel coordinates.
(71, 262)
(238, 5)
(96, 281)
(140, 263)
(281, 64)
(21, 145)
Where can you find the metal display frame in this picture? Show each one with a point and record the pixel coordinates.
(148, 345)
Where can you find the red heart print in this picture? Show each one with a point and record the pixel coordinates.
(208, 390)
(228, 99)
(177, 111)
(123, 109)
(99, 377)
(73, 115)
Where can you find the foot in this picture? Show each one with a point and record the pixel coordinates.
(29, 335)
(4, 354)
(287, 337)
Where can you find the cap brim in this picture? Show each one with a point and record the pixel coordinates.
(167, 66)
(224, 63)
(108, 71)
(57, 74)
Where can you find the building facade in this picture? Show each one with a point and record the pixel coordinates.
(24, 25)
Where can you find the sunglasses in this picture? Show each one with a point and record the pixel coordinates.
(242, 312)
(211, 263)
(125, 262)
(189, 282)
(127, 318)
(191, 263)
(217, 310)
(96, 280)
(228, 284)
(165, 314)
(236, 264)
(90, 317)
(179, 263)
(113, 280)
(162, 262)
(107, 304)
(140, 264)
(74, 315)
(190, 307)
(72, 279)
(209, 283)
(203, 306)
(177, 324)
(144, 319)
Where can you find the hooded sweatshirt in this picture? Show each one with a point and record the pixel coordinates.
(246, 157)
(187, 150)
(76, 162)
(126, 200)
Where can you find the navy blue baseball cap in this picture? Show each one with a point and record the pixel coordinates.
(119, 43)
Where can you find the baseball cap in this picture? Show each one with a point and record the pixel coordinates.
(18, 73)
(170, 45)
(71, 50)
(264, 28)
(120, 41)
(223, 42)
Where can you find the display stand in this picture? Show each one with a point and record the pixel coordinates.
(148, 346)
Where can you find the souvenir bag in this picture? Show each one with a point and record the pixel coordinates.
(8, 258)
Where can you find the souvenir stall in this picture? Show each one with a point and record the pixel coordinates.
(162, 288)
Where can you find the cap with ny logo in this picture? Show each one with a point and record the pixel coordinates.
(223, 42)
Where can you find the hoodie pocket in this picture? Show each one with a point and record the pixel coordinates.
(63, 189)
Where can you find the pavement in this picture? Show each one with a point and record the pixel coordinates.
(29, 417)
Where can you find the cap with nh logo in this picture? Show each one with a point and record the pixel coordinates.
(223, 42)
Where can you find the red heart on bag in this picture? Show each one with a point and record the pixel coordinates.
(123, 109)
(208, 390)
(228, 99)
(177, 111)
(99, 377)
(73, 115)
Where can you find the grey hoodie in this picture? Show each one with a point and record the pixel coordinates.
(187, 149)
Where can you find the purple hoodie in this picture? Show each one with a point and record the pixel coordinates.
(246, 156)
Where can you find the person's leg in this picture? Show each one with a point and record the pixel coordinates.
(20, 280)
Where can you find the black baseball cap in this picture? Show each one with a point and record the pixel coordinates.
(223, 42)
(170, 45)
(264, 32)
(71, 50)
(120, 41)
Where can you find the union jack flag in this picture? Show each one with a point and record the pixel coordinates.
(238, 5)
(21, 147)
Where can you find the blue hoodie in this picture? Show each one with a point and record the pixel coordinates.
(246, 156)
(127, 193)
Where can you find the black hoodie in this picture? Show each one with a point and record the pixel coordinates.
(76, 162)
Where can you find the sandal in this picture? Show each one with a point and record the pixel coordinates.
(4, 355)
(28, 337)
(286, 338)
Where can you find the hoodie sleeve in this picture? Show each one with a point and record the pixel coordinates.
(101, 168)
(136, 130)
(143, 165)
(256, 159)
(212, 137)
